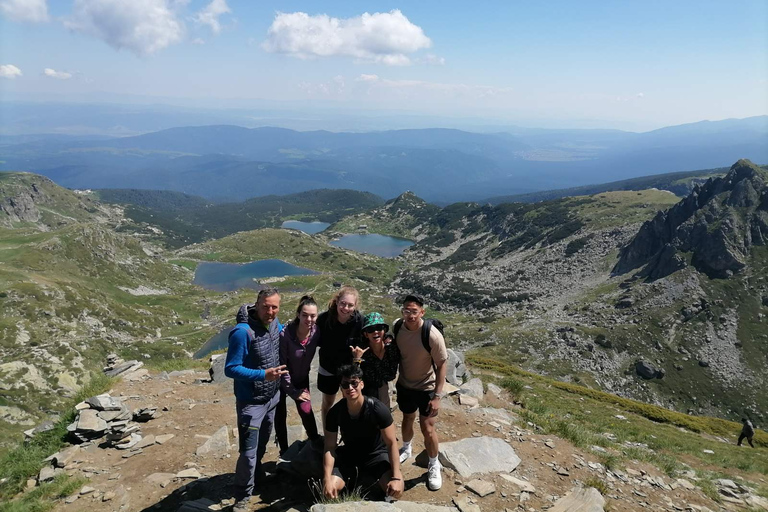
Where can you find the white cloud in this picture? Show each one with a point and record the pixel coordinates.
(210, 15)
(140, 26)
(60, 75)
(198, 40)
(431, 58)
(9, 71)
(30, 11)
(367, 78)
(380, 37)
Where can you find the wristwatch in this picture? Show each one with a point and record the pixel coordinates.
(439, 395)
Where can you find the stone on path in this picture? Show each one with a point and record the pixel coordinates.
(217, 445)
(480, 487)
(164, 438)
(89, 421)
(380, 506)
(522, 484)
(479, 455)
(464, 504)
(473, 388)
(64, 457)
(144, 443)
(189, 473)
(468, 400)
(582, 499)
(47, 474)
(105, 403)
(494, 389)
(161, 479)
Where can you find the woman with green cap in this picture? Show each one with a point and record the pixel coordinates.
(379, 358)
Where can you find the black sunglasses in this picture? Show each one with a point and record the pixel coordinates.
(374, 328)
(346, 384)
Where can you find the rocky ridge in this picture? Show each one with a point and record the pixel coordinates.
(493, 461)
(717, 224)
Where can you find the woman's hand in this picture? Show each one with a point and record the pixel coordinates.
(304, 396)
(357, 353)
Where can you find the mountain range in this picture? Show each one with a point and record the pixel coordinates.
(225, 162)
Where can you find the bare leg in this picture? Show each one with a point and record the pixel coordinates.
(408, 420)
(431, 442)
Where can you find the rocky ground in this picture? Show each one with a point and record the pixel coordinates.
(188, 451)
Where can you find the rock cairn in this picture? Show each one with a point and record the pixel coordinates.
(107, 416)
(118, 367)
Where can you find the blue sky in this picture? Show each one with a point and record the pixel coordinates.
(623, 64)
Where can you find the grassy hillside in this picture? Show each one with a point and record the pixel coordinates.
(184, 219)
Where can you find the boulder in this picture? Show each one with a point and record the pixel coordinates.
(647, 371)
(216, 371)
(456, 369)
(122, 368)
(478, 455)
(105, 403)
(216, 446)
(481, 487)
(586, 499)
(88, 422)
(474, 387)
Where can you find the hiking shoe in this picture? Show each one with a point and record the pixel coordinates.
(242, 505)
(434, 476)
(405, 454)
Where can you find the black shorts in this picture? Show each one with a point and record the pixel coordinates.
(355, 472)
(408, 400)
(328, 384)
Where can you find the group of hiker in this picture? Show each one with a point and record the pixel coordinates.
(270, 363)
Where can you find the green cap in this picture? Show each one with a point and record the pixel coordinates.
(373, 319)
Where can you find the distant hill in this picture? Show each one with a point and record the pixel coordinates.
(185, 219)
(679, 183)
(225, 162)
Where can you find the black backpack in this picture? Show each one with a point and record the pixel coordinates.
(428, 323)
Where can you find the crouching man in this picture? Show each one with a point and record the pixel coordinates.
(369, 448)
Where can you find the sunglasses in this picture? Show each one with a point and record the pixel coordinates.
(374, 328)
(346, 384)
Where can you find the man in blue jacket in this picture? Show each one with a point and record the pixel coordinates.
(253, 361)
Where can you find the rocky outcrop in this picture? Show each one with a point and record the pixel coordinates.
(716, 225)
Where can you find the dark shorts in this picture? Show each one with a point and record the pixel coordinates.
(355, 472)
(409, 400)
(328, 384)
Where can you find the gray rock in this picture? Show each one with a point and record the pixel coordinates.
(464, 505)
(494, 389)
(161, 479)
(479, 455)
(468, 400)
(580, 500)
(89, 422)
(216, 371)
(216, 446)
(64, 457)
(47, 474)
(647, 371)
(480, 487)
(43, 427)
(105, 403)
(456, 369)
(145, 413)
(474, 387)
(522, 484)
(188, 473)
(122, 368)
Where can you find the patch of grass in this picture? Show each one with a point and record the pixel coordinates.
(709, 489)
(598, 484)
(609, 460)
(42, 497)
(188, 264)
(345, 496)
(513, 385)
(26, 459)
(178, 364)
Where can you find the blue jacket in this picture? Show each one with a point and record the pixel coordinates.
(252, 349)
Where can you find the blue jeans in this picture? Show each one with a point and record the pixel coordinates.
(254, 426)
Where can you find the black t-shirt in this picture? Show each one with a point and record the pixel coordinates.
(362, 435)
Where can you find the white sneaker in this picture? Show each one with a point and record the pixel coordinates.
(434, 476)
(405, 454)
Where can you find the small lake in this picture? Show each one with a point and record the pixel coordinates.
(380, 245)
(227, 277)
(217, 342)
(307, 227)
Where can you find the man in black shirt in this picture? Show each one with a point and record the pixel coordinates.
(369, 443)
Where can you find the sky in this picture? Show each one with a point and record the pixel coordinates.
(630, 64)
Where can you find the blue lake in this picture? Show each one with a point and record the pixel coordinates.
(227, 277)
(307, 227)
(380, 245)
(217, 342)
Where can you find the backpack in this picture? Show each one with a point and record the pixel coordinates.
(428, 323)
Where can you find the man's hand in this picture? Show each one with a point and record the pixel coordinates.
(304, 396)
(433, 407)
(275, 373)
(395, 488)
(329, 490)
